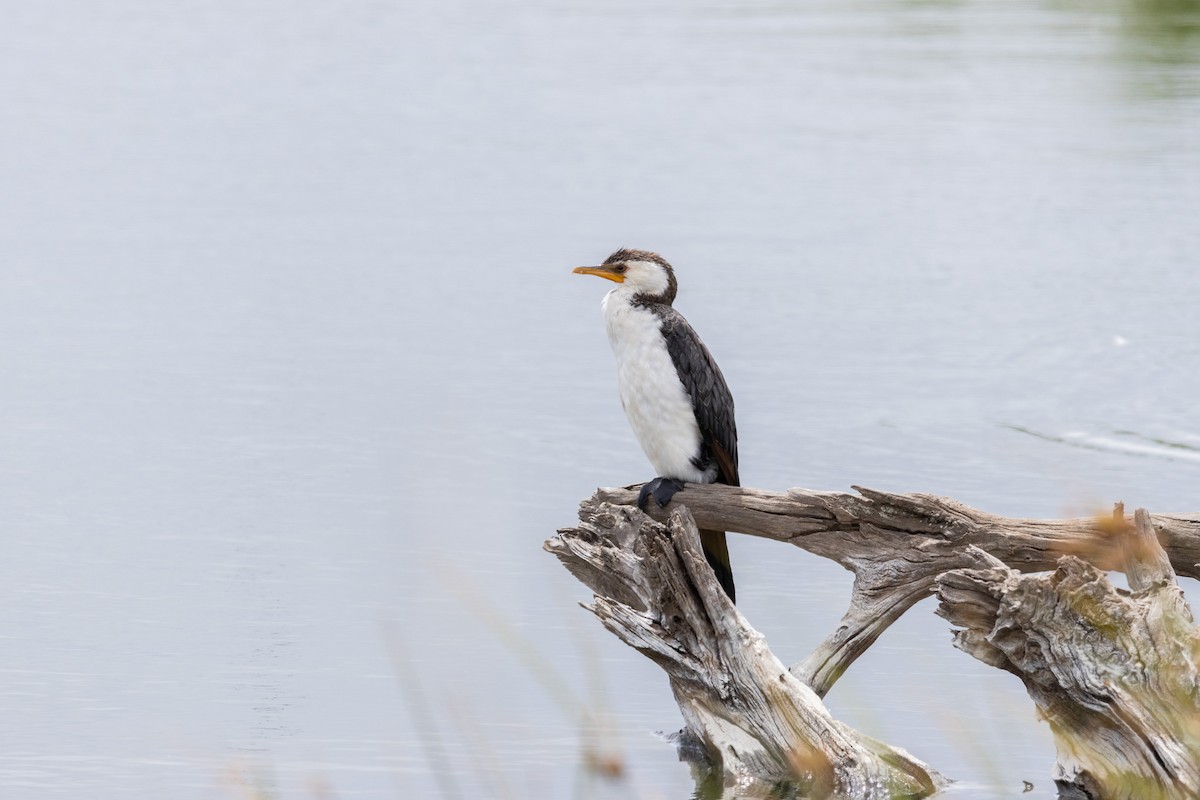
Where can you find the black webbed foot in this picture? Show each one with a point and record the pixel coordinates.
(663, 490)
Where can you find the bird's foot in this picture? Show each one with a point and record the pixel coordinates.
(663, 490)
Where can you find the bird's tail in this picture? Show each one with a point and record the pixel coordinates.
(717, 553)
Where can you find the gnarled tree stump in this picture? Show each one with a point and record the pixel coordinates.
(1114, 673)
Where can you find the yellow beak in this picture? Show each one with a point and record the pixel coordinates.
(600, 272)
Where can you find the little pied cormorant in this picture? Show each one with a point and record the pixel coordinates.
(672, 391)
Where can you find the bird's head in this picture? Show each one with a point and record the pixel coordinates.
(644, 275)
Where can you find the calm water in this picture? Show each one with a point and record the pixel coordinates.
(296, 378)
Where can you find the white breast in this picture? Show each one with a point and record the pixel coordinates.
(658, 407)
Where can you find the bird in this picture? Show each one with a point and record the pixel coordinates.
(672, 391)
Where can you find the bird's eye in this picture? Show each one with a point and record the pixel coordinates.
(620, 268)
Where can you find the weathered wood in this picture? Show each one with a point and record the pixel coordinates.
(1114, 673)
(898, 544)
(754, 719)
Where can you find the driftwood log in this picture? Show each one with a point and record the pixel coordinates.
(753, 719)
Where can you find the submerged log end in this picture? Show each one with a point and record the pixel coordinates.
(1114, 673)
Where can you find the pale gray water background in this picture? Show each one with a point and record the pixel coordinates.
(295, 373)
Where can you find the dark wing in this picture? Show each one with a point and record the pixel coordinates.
(711, 400)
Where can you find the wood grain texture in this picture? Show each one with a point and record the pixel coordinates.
(1114, 673)
(897, 544)
(756, 722)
